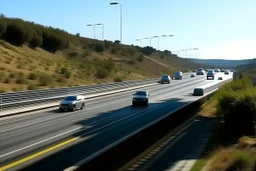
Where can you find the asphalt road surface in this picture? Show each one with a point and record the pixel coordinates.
(51, 140)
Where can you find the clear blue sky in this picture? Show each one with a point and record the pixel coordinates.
(219, 28)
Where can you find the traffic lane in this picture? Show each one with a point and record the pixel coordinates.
(104, 137)
(184, 148)
(86, 131)
(54, 122)
(94, 102)
(39, 133)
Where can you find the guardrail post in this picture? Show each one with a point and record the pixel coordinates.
(20, 99)
(37, 96)
(1, 102)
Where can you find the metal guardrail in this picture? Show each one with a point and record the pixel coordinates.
(32, 97)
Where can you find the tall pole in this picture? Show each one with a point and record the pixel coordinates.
(121, 24)
(117, 3)
(93, 25)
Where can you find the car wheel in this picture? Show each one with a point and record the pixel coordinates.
(74, 108)
(82, 107)
(61, 110)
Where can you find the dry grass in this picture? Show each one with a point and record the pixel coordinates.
(26, 60)
(209, 109)
(241, 156)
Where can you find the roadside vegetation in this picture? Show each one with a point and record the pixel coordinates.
(33, 56)
(232, 144)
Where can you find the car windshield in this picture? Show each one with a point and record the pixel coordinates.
(199, 69)
(141, 93)
(70, 98)
(177, 73)
(165, 77)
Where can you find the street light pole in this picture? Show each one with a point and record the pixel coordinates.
(93, 25)
(102, 33)
(121, 23)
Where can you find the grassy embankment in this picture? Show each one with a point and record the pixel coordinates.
(232, 144)
(33, 56)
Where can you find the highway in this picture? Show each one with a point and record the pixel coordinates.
(51, 140)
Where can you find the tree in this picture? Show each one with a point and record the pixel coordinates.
(15, 33)
(147, 50)
(117, 42)
(36, 41)
(3, 26)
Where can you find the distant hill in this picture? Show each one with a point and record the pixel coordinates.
(223, 63)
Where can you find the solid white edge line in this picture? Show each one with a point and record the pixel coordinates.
(45, 140)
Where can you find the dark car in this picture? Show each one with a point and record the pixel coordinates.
(140, 98)
(165, 79)
(210, 74)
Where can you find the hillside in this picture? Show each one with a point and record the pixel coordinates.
(222, 62)
(61, 59)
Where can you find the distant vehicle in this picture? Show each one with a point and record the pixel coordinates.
(216, 70)
(210, 74)
(226, 72)
(232, 70)
(72, 103)
(200, 71)
(222, 70)
(178, 75)
(140, 98)
(198, 92)
(192, 75)
(165, 79)
(220, 78)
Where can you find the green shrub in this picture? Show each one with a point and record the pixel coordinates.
(140, 58)
(32, 87)
(19, 66)
(118, 79)
(68, 74)
(20, 80)
(7, 80)
(237, 106)
(241, 161)
(99, 47)
(12, 75)
(45, 80)
(32, 76)
(63, 70)
(60, 80)
(109, 64)
(102, 73)
(113, 51)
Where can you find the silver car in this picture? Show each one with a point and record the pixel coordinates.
(178, 75)
(72, 103)
(140, 97)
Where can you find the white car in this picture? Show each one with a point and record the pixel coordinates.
(72, 103)
(226, 72)
(140, 98)
(200, 71)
